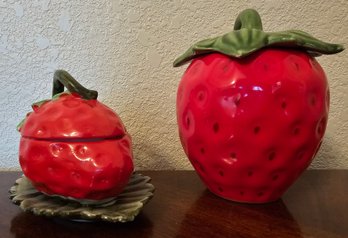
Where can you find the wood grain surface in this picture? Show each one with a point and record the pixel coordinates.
(315, 206)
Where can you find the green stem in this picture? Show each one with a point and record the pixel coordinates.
(248, 18)
(63, 79)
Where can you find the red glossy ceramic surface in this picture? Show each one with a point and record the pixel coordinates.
(75, 147)
(251, 126)
(71, 116)
(252, 108)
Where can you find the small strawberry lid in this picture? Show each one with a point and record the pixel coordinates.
(71, 115)
(248, 37)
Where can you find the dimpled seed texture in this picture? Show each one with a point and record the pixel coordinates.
(251, 126)
(252, 108)
(75, 147)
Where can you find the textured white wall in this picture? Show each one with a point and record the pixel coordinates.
(125, 49)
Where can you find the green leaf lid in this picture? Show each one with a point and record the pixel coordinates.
(248, 37)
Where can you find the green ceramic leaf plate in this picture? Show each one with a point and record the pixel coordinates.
(122, 208)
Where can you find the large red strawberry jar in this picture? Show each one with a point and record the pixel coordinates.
(252, 108)
(74, 146)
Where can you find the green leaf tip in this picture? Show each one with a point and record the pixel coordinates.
(19, 126)
(39, 103)
(248, 37)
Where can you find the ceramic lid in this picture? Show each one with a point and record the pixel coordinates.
(71, 116)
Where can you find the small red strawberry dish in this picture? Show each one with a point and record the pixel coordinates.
(75, 146)
(252, 109)
(76, 156)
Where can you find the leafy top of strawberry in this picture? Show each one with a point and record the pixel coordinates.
(248, 37)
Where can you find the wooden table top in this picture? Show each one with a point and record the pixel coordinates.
(315, 206)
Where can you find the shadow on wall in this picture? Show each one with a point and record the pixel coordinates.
(329, 156)
(153, 158)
